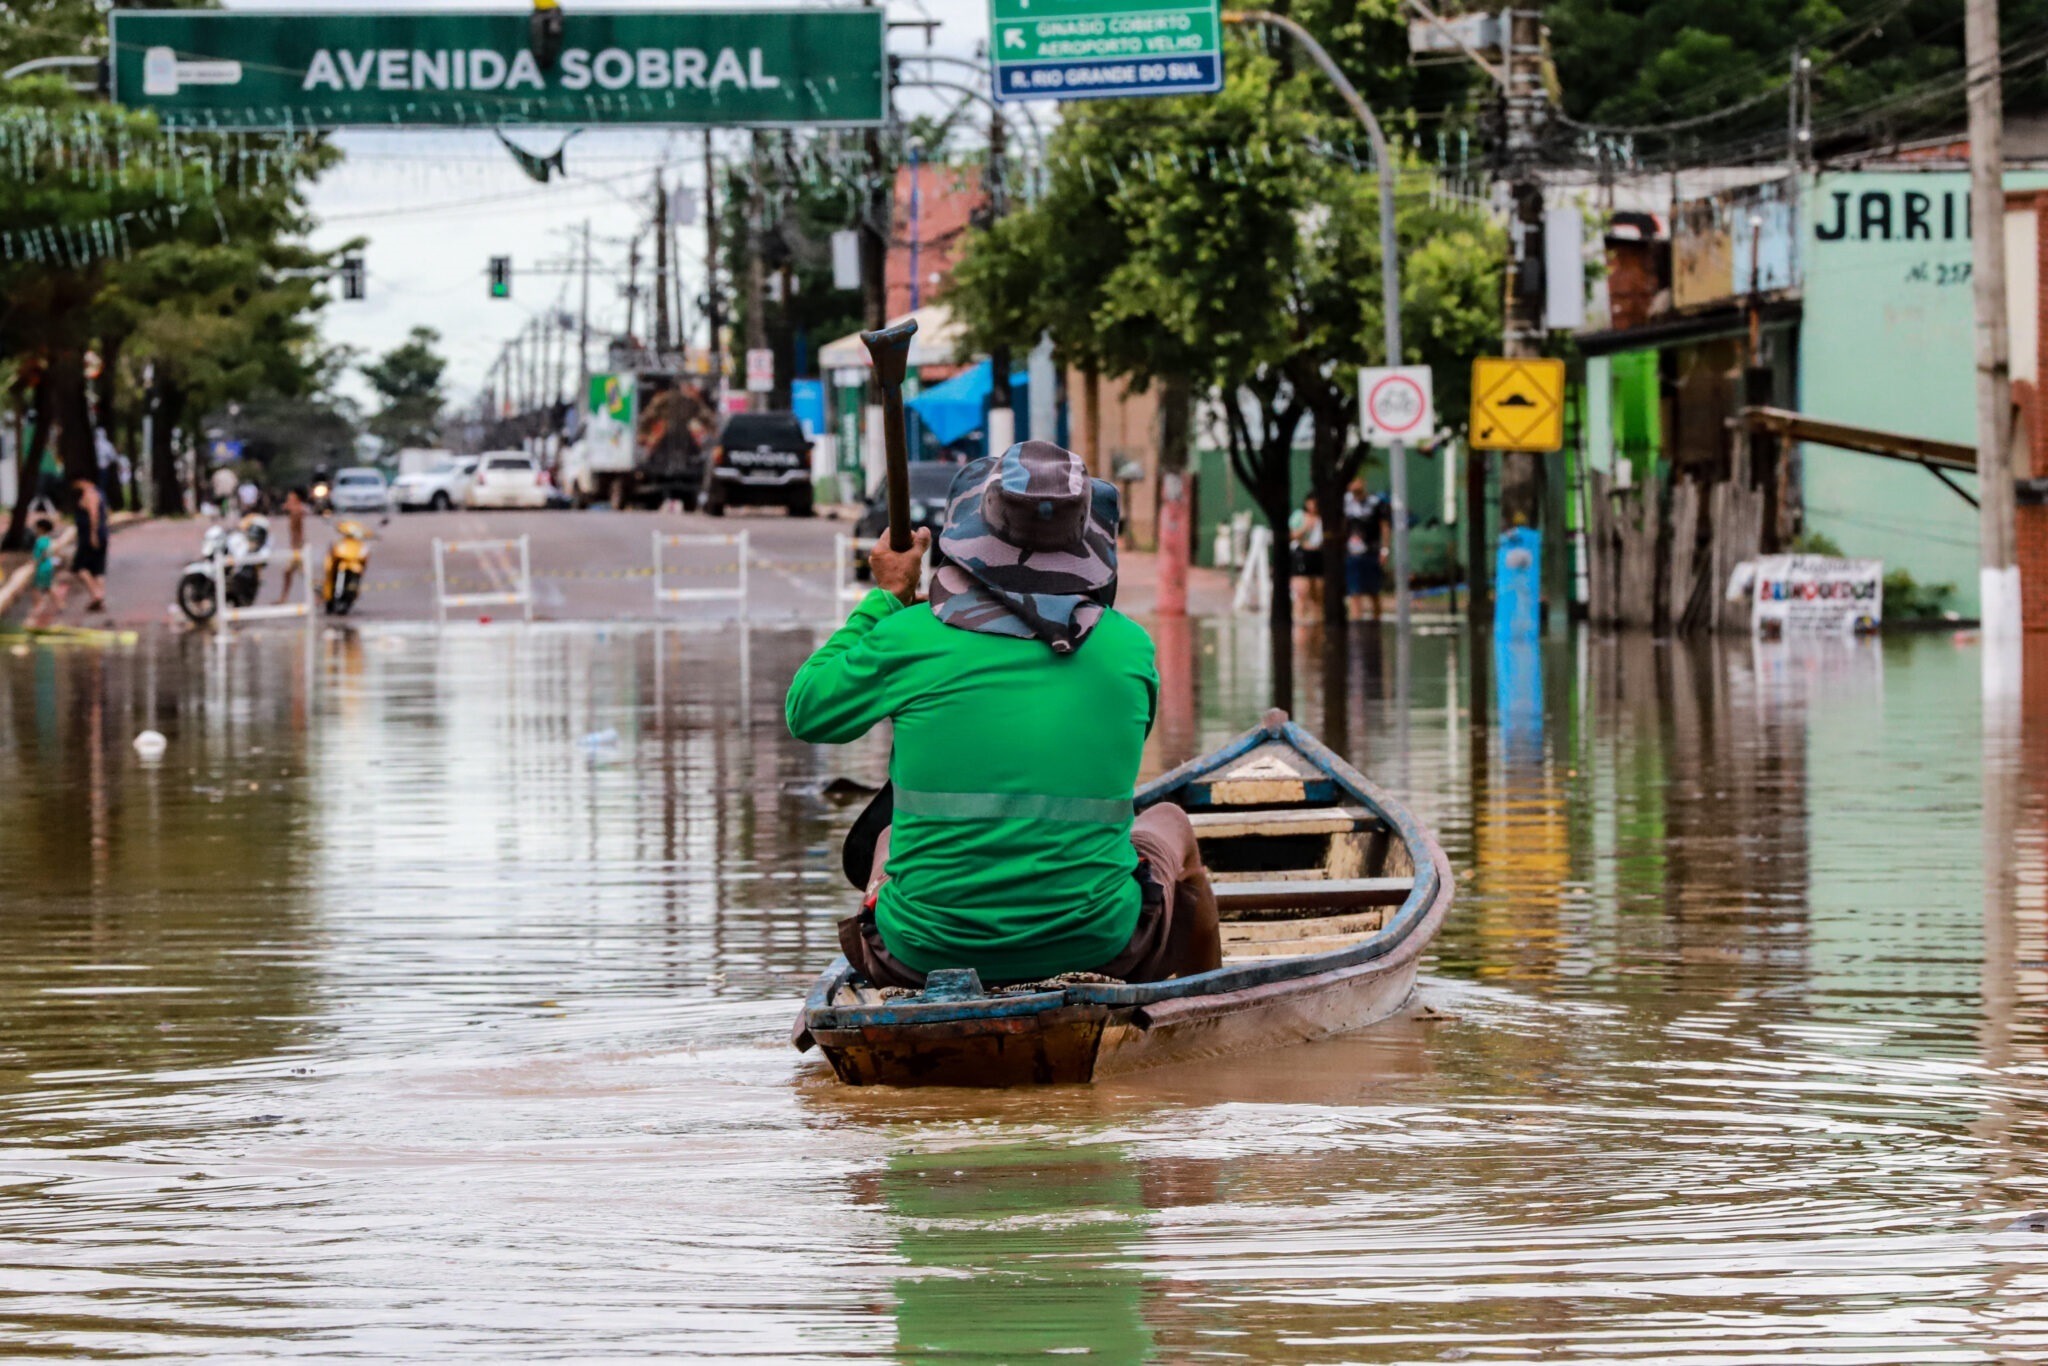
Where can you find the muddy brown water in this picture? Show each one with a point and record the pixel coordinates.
(391, 1016)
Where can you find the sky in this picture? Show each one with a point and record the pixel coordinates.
(435, 206)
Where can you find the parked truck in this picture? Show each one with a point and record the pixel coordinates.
(643, 440)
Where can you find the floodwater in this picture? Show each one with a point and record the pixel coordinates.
(428, 1000)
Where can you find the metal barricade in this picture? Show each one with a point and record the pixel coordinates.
(522, 596)
(663, 593)
(848, 552)
(1254, 594)
(234, 616)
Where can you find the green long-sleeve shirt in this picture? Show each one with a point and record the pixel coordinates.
(1014, 769)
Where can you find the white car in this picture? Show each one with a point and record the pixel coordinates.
(441, 486)
(507, 479)
(359, 490)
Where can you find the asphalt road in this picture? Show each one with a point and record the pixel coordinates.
(596, 565)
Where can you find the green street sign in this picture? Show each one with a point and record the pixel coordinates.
(1082, 49)
(249, 69)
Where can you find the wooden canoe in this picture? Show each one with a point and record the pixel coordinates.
(1329, 891)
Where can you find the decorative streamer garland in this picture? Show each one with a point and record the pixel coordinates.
(90, 149)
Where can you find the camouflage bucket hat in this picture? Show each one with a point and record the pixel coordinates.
(1029, 548)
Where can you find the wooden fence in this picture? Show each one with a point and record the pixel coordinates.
(1660, 559)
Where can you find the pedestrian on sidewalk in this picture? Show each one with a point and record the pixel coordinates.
(89, 555)
(295, 521)
(49, 599)
(1305, 534)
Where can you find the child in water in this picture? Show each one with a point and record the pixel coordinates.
(49, 593)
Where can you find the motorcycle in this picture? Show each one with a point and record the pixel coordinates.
(342, 577)
(240, 554)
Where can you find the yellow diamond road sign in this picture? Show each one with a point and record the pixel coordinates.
(1517, 404)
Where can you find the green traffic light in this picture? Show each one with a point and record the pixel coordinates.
(500, 289)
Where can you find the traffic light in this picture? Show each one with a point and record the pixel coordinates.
(351, 277)
(501, 277)
(544, 33)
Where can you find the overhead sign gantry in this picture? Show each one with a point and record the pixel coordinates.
(257, 69)
(1082, 49)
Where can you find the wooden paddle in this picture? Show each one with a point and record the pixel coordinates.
(889, 349)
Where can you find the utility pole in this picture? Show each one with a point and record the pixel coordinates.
(583, 323)
(874, 220)
(714, 304)
(1998, 576)
(1002, 417)
(529, 347)
(1799, 113)
(662, 341)
(675, 256)
(632, 287)
(561, 359)
(757, 271)
(1521, 474)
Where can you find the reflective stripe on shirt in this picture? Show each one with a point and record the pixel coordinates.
(1013, 806)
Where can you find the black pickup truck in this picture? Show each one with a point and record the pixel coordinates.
(759, 458)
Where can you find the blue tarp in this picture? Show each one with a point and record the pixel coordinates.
(952, 409)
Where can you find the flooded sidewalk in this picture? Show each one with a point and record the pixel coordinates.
(429, 999)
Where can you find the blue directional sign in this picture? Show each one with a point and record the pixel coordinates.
(1090, 49)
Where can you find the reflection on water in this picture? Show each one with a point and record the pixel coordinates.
(429, 999)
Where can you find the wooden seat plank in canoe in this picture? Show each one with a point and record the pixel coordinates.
(1287, 948)
(1296, 820)
(1356, 924)
(1271, 875)
(1286, 894)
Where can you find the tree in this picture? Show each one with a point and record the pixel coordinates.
(1882, 70)
(1233, 239)
(408, 379)
(178, 256)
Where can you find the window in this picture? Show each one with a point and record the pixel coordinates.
(779, 431)
(510, 462)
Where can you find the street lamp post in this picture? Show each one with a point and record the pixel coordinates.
(1390, 268)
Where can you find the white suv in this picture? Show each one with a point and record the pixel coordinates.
(445, 485)
(507, 479)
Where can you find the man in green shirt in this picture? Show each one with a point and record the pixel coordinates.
(1021, 700)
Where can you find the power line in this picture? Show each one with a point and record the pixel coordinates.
(1868, 19)
(1778, 87)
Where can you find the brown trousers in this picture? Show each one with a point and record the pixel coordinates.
(1177, 933)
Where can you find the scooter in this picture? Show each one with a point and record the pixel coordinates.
(241, 551)
(347, 559)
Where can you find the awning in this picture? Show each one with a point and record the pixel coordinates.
(960, 405)
(937, 343)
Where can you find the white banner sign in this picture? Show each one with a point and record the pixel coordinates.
(760, 370)
(846, 259)
(1817, 593)
(1396, 403)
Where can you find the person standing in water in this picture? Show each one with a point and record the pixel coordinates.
(49, 593)
(295, 520)
(89, 555)
(1365, 514)
(1305, 534)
